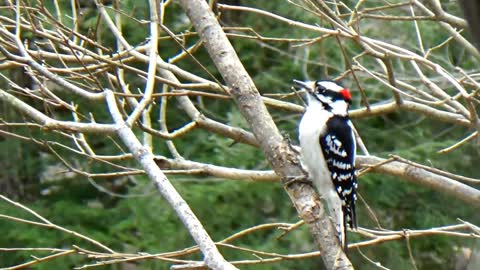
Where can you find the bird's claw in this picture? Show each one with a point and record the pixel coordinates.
(289, 180)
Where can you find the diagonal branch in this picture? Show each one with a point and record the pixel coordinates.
(212, 257)
(280, 155)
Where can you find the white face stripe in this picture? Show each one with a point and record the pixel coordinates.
(324, 99)
(339, 107)
(311, 85)
(331, 86)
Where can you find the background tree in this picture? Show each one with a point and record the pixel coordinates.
(99, 98)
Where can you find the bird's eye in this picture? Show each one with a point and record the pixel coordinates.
(320, 89)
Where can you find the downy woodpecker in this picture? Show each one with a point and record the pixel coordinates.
(327, 147)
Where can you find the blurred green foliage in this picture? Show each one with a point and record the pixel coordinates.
(141, 221)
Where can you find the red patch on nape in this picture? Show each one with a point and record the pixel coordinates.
(346, 94)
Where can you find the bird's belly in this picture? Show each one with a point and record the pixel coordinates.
(312, 155)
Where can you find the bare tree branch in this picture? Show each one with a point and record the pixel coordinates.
(49, 123)
(65, 71)
(142, 154)
(424, 177)
(279, 154)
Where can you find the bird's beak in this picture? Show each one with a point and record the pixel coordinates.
(305, 85)
(300, 83)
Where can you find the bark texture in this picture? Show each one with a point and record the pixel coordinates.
(280, 155)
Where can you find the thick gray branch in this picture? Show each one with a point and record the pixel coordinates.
(283, 159)
(432, 178)
(217, 171)
(423, 177)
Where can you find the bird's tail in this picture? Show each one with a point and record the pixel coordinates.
(343, 230)
(343, 217)
(349, 217)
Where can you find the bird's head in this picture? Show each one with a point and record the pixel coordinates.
(326, 92)
(329, 95)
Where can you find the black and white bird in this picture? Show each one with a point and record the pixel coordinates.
(327, 147)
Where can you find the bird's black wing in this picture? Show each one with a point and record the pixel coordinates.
(338, 146)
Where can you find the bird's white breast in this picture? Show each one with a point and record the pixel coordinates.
(312, 126)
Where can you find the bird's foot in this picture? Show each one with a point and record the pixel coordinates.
(288, 140)
(289, 180)
(286, 137)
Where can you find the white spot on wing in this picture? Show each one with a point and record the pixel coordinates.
(341, 165)
(335, 146)
(347, 191)
(343, 177)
